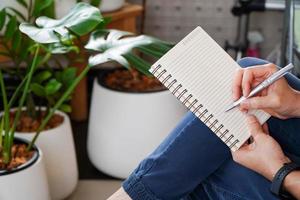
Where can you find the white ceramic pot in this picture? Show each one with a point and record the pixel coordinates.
(126, 127)
(62, 7)
(60, 158)
(111, 5)
(29, 181)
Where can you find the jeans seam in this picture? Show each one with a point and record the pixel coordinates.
(237, 195)
(164, 152)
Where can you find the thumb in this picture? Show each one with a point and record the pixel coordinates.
(260, 102)
(254, 126)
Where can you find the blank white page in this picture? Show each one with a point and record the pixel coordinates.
(199, 73)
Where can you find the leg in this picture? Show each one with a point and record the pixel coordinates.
(182, 161)
(233, 181)
(179, 164)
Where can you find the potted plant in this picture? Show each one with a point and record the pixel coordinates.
(113, 45)
(131, 112)
(22, 172)
(49, 91)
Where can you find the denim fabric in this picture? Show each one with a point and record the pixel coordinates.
(193, 163)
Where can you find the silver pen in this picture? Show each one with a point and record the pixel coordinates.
(269, 81)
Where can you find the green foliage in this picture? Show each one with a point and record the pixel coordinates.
(10, 28)
(118, 46)
(55, 87)
(82, 19)
(7, 136)
(50, 86)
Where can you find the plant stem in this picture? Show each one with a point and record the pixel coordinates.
(6, 150)
(17, 91)
(1, 132)
(29, 11)
(57, 105)
(23, 97)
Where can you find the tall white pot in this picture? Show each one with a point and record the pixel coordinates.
(126, 127)
(111, 5)
(60, 158)
(28, 181)
(62, 7)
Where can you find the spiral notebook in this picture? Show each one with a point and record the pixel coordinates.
(199, 73)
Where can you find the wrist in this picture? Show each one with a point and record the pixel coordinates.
(276, 166)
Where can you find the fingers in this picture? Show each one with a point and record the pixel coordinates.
(254, 126)
(266, 128)
(245, 79)
(261, 102)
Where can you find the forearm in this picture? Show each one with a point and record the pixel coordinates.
(292, 184)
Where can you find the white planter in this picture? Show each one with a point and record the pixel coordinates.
(126, 127)
(111, 5)
(29, 181)
(62, 7)
(60, 158)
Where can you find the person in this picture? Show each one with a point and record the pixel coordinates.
(193, 163)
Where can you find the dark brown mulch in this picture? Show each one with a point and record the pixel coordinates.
(19, 157)
(132, 81)
(29, 124)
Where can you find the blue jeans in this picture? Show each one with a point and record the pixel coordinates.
(193, 163)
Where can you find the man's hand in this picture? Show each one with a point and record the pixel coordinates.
(279, 99)
(263, 155)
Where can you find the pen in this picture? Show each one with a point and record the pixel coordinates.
(269, 81)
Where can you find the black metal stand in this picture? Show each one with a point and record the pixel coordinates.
(242, 9)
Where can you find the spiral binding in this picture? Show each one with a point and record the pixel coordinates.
(195, 106)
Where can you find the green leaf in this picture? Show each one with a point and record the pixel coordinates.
(59, 48)
(49, 11)
(68, 75)
(82, 19)
(2, 18)
(16, 40)
(41, 77)
(58, 76)
(104, 23)
(38, 89)
(115, 45)
(138, 63)
(65, 108)
(23, 3)
(39, 6)
(10, 28)
(95, 3)
(52, 87)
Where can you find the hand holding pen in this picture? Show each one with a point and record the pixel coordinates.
(275, 95)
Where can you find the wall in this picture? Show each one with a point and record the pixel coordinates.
(173, 19)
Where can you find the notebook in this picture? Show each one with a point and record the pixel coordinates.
(199, 73)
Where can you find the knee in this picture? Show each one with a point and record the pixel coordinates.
(251, 61)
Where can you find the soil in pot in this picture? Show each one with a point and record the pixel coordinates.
(28, 124)
(20, 156)
(131, 81)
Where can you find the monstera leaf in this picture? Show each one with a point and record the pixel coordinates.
(118, 46)
(82, 19)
